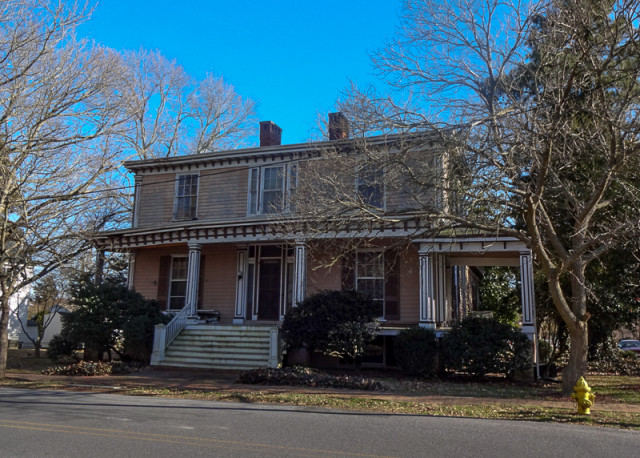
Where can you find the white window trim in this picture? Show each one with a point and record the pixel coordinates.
(287, 187)
(175, 196)
(171, 280)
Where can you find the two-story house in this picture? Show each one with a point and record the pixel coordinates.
(239, 237)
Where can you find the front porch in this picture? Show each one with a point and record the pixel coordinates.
(252, 287)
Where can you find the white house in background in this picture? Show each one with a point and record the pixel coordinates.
(53, 322)
(18, 304)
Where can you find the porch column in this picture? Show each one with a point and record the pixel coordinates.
(300, 274)
(427, 292)
(528, 295)
(193, 276)
(131, 273)
(439, 287)
(241, 287)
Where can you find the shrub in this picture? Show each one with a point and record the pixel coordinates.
(298, 375)
(111, 317)
(416, 350)
(61, 347)
(619, 363)
(479, 346)
(334, 323)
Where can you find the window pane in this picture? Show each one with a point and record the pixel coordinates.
(179, 269)
(370, 264)
(374, 288)
(272, 201)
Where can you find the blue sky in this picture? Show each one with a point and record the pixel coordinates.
(292, 57)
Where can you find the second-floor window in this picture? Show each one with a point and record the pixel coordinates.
(370, 185)
(270, 188)
(186, 197)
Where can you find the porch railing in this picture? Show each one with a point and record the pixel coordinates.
(164, 334)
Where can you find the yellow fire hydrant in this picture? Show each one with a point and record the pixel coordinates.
(583, 396)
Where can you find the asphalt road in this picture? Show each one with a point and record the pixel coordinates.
(69, 424)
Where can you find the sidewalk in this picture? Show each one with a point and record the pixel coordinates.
(221, 382)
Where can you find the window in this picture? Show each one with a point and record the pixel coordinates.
(186, 197)
(178, 283)
(375, 273)
(270, 189)
(370, 185)
(370, 276)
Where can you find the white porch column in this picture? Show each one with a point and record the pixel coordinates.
(131, 274)
(528, 295)
(427, 291)
(439, 287)
(300, 273)
(241, 287)
(193, 277)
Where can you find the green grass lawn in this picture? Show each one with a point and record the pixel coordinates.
(24, 360)
(490, 398)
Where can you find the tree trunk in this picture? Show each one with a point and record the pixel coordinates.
(4, 334)
(577, 365)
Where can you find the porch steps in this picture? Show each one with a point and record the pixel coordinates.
(217, 346)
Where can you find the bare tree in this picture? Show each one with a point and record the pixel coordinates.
(60, 104)
(172, 114)
(46, 301)
(536, 104)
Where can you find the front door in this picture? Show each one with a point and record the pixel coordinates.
(269, 289)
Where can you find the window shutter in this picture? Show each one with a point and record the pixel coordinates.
(392, 285)
(349, 271)
(163, 281)
(201, 283)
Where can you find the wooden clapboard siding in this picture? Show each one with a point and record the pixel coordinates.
(155, 205)
(147, 268)
(220, 280)
(223, 194)
(324, 273)
(409, 286)
(320, 274)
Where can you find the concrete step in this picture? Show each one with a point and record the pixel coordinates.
(231, 360)
(220, 347)
(204, 357)
(222, 339)
(229, 348)
(238, 367)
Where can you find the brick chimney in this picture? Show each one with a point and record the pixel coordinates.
(270, 134)
(338, 126)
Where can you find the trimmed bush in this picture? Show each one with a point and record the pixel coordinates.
(111, 317)
(416, 350)
(61, 348)
(334, 323)
(479, 346)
